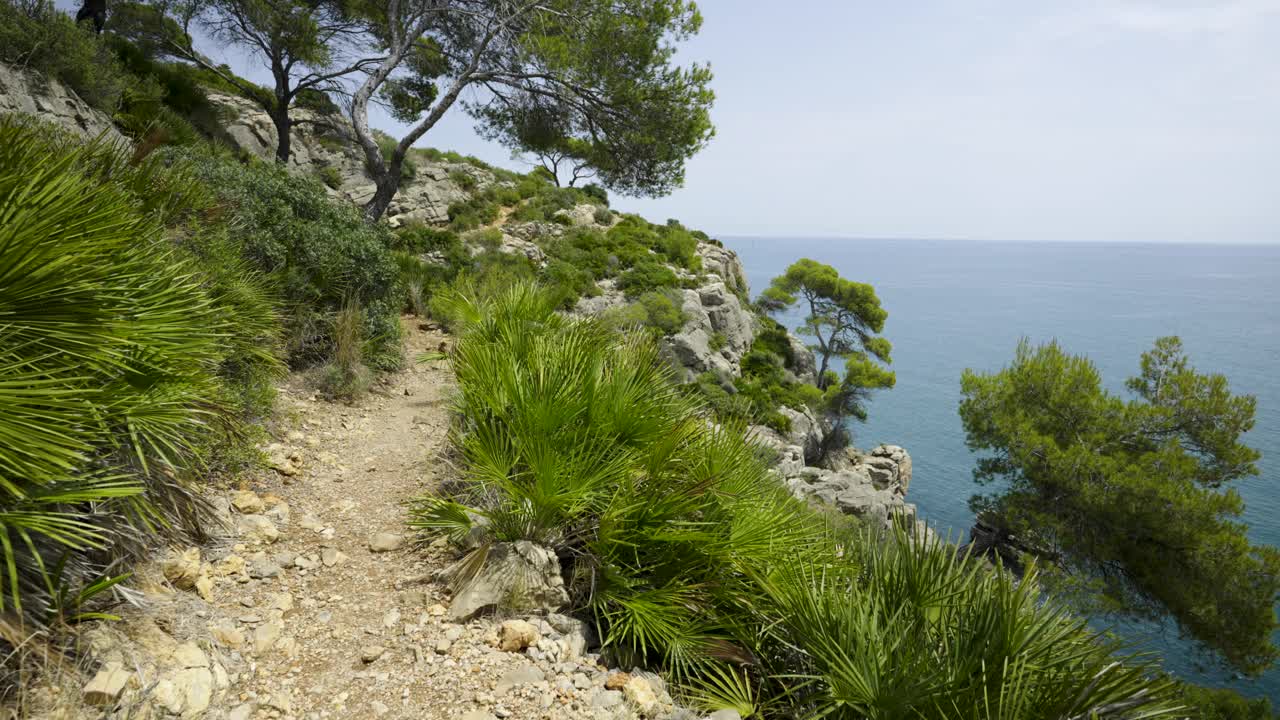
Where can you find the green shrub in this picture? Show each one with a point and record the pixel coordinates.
(487, 239)
(472, 213)
(37, 36)
(463, 180)
(602, 216)
(657, 311)
(1222, 704)
(569, 281)
(346, 377)
(596, 193)
(128, 361)
(330, 176)
(419, 238)
(387, 144)
(646, 277)
(689, 557)
(320, 254)
(506, 196)
(717, 341)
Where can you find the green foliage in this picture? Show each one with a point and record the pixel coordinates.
(466, 181)
(658, 311)
(646, 277)
(603, 95)
(1129, 492)
(37, 36)
(387, 146)
(544, 200)
(418, 238)
(672, 242)
(346, 377)
(597, 193)
(688, 556)
(602, 216)
(844, 319)
(320, 254)
(1216, 704)
(476, 211)
(330, 176)
(134, 346)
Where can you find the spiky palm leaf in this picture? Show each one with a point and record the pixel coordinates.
(111, 344)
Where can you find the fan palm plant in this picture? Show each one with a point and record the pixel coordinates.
(112, 345)
(689, 555)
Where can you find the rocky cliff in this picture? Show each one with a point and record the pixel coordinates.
(32, 94)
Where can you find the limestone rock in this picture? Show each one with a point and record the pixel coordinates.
(807, 430)
(258, 528)
(524, 675)
(516, 635)
(182, 569)
(371, 653)
(248, 502)
(105, 687)
(717, 332)
(386, 542)
(517, 576)
(617, 680)
(803, 363)
(31, 93)
(640, 693)
(725, 263)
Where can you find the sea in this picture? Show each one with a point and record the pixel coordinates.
(957, 304)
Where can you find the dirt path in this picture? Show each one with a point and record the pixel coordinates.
(317, 605)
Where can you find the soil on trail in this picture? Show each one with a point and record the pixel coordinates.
(317, 604)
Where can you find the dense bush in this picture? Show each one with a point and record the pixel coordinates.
(689, 557)
(658, 311)
(320, 255)
(1216, 704)
(128, 361)
(474, 212)
(646, 277)
(37, 36)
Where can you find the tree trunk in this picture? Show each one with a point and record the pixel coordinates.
(386, 190)
(284, 134)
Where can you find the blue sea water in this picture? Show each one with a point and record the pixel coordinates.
(965, 304)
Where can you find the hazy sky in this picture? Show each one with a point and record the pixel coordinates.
(991, 119)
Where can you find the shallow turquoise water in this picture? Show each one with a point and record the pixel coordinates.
(959, 304)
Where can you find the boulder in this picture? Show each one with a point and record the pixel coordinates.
(852, 492)
(105, 687)
(31, 93)
(182, 568)
(900, 473)
(516, 635)
(518, 576)
(808, 431)
(804, 365)
(725, 263)
(717, 332)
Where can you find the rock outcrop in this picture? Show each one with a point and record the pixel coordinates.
(724, 262)
(717, 332)
(49, 100)
(873, 488)
(321, 142)
(808, 433)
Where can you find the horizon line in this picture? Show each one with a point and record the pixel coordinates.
(1211, 243)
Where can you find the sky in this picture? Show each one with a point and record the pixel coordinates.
(1056, 120)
